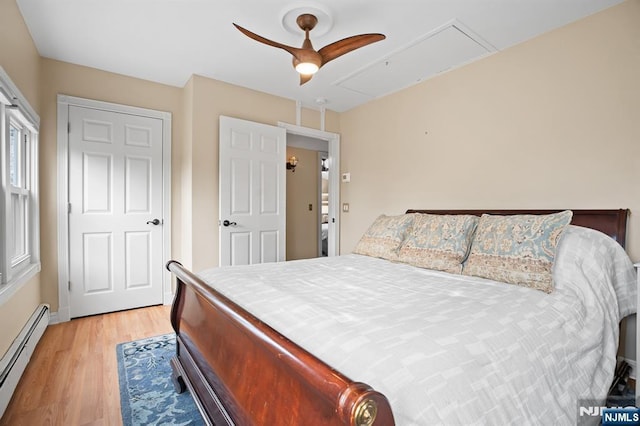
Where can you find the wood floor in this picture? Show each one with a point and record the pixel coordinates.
(72, 378)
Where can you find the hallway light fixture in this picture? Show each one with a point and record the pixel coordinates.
(292, 162)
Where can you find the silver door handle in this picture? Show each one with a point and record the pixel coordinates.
(153, 222)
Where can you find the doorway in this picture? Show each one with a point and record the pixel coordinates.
(114, 203)
(312, 193)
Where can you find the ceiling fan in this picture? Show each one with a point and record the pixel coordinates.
(306, 60)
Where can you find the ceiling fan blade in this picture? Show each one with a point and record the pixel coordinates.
(346, 45)
(293, 50)
(304, 78)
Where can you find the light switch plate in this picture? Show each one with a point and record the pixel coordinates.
(346, 177)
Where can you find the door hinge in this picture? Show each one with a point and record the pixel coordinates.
(68, 127)
(69, 283)
(69, 208)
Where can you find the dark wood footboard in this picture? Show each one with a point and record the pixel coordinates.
(241, 371)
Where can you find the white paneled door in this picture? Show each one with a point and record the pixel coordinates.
(252, 192)
(115, 211)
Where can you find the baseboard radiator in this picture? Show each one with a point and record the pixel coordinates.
(17, 357)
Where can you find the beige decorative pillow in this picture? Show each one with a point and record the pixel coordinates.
(384, 236)
(518, 249)
(439, 242)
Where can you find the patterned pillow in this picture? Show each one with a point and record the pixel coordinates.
(439, 242)
(517, 249)
(384, 236)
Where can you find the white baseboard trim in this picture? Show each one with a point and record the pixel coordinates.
(53, 318)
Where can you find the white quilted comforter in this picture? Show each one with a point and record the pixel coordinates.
(451, 349)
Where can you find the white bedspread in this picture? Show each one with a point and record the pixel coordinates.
(451, 349)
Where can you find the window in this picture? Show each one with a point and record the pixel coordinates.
(19, 187)
(19, 217)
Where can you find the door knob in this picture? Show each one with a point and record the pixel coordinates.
(227, 223)
(153, 222)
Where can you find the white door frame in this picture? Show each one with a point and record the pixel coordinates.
(320, 155)
(334, 178)
(64, 102)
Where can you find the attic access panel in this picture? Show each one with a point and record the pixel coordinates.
(439, 51)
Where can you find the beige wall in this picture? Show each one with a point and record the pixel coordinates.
(302, 190)
(18, 54)
(550, 123)
(20, 59)
(182, 179)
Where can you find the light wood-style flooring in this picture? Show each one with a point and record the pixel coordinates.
(72, 378)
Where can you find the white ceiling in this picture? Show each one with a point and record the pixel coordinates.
(169, 40)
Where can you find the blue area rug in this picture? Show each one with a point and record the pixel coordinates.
(147, 396)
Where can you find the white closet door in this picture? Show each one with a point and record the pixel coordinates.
(115, 219)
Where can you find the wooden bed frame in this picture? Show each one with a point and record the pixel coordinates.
(241, 371)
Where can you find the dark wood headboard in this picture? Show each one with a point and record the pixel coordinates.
(610, 222)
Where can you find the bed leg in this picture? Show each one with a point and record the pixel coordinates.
(176, 376)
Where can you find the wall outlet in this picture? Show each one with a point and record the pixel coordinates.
(345, 207)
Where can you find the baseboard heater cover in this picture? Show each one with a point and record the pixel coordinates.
(15, 361)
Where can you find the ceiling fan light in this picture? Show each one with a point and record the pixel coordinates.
(307, 68)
